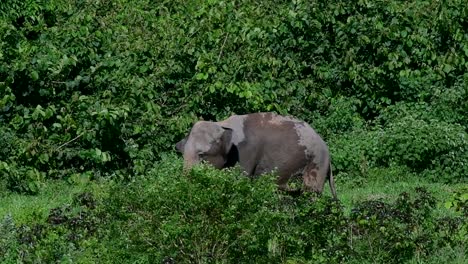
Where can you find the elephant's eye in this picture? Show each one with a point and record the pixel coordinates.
(201, 155)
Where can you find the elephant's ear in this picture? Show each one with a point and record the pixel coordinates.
(231, 152)
(227, 138)
(180, 146)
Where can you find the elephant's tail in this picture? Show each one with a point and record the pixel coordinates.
(331, 180)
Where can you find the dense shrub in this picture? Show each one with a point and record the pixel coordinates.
(460, 201)
(206, 216)
(209, 215)
(222, 216)
(435, 149)
(433, 145)
(400, 228)
(213, 216)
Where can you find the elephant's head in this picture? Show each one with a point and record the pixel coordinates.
(207, 141)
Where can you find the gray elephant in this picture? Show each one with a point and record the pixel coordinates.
(260, 143)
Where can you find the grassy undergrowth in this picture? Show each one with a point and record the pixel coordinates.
(378, 186)
(351, 191)
(54, 193)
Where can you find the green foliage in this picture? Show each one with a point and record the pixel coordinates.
(92, 89)
(88, 87)
(433, 148)
(204, 216)
(213, 216)
(407, 231)
(425, 145)
(316, 232)
(8, 242)
(208, 215)
(67, 231)
(23, 179)
(459, 201)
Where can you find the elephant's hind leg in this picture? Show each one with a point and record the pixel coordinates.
(314, 178)
(283, 185)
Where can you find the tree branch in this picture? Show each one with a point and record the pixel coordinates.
(222, 47)
(70, 141)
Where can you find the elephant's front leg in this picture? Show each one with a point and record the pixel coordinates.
(248, 160)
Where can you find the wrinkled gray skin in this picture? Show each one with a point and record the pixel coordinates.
(260, 143)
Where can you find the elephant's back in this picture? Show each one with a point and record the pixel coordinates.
(287, 136)
(277, 131)
(276, 141)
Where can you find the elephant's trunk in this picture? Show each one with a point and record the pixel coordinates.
(190, 159)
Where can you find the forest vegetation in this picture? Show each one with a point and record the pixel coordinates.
(94, 94)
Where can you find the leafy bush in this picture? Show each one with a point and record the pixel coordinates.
(204, 216)
(434, 149)
(222, 216)
(23, 179)
(420, 144)
(404, 230)
(459, 201)
(212, 216)
(209, 215)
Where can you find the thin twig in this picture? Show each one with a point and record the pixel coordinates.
(222, 47)
(68, 142)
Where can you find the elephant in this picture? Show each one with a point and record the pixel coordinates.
(261, 143)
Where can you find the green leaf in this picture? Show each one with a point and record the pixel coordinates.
(35, 75)
(448, 204)
(464, 197)
(201, 76)
(44, 158)
(447, 68)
